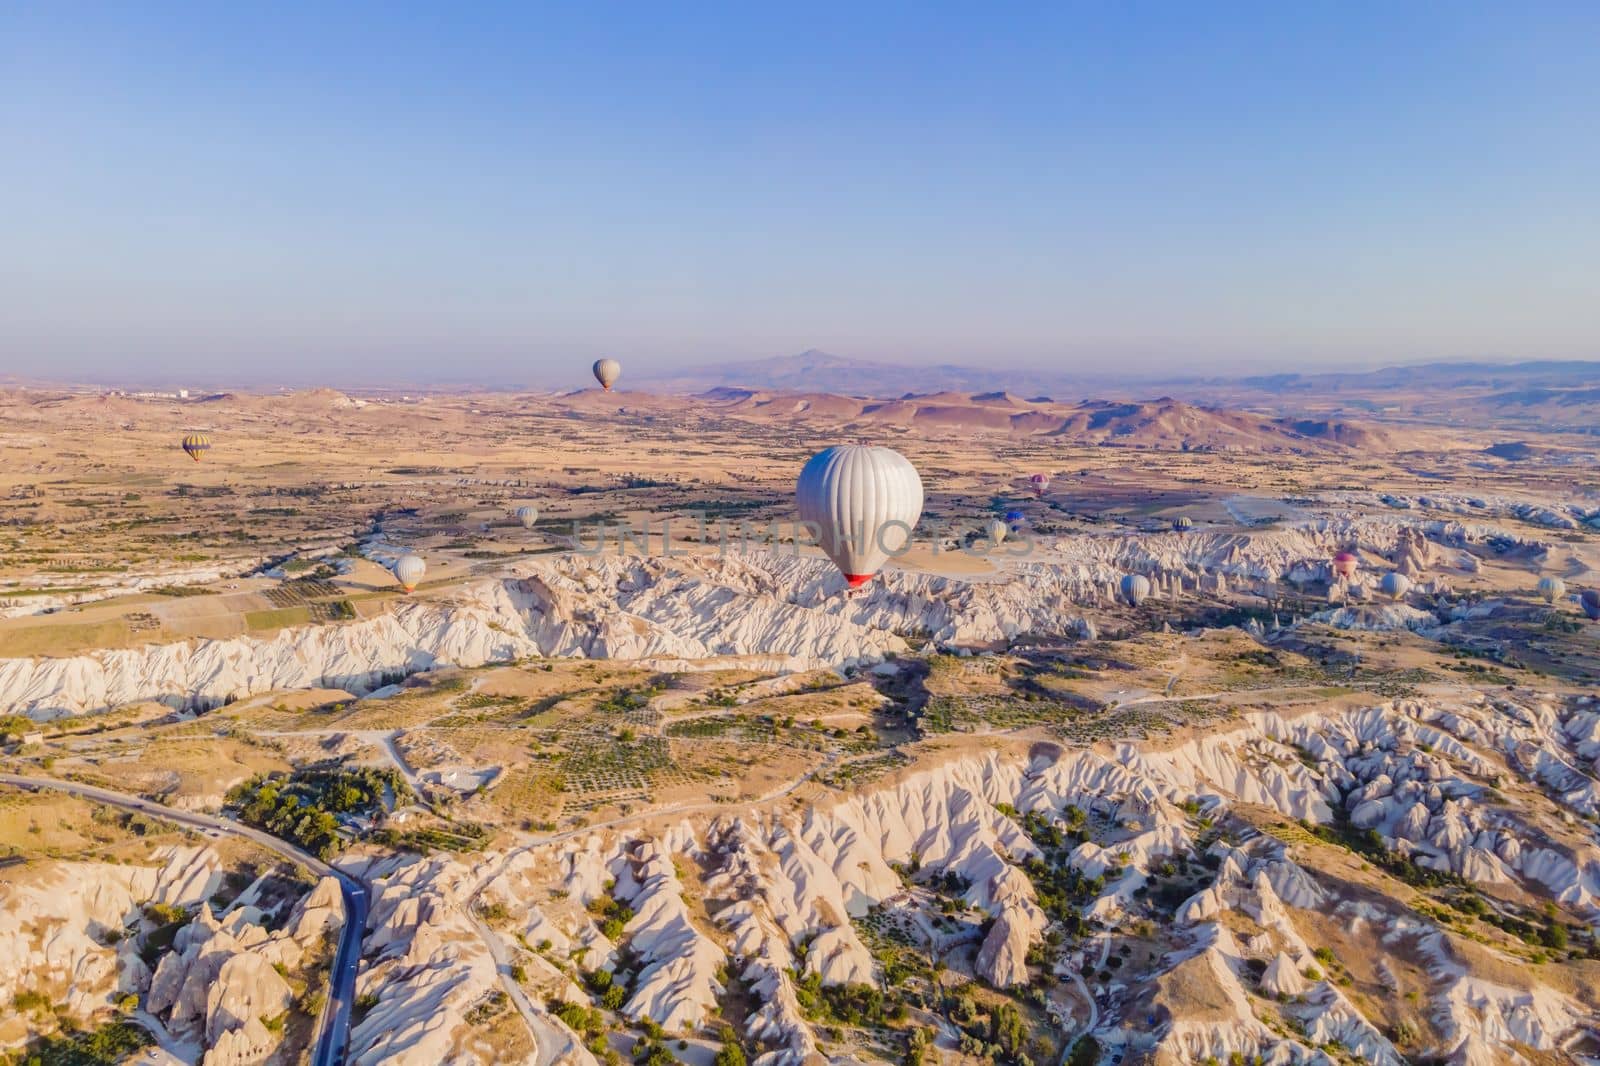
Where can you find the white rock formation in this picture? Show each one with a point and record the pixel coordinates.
(1282, 979)
(783, 886)
(72, 933)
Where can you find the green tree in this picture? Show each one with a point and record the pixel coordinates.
(730, 1053)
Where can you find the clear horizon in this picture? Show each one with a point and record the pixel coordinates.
(302, 196)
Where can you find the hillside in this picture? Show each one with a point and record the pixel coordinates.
(1164, 423)
(818, 371)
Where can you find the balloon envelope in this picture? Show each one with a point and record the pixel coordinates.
(1344, 564)
(1040, 482)
(1013, 517)
(1590, 602)
(1182, 522)
(1552, 588)
(408, 570)
(606, 372)
(997, 530)
(196, 444)
(1135, 588)
(862, 502)
(527, 516)
(1395, 584)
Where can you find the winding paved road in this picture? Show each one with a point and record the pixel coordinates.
(333, 1027)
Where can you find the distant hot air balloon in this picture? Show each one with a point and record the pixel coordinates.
(196, 444)
(606, 372)
(1589, 600)
(1040, 483)
(1182, 523)
(1552, 589)
(527, 516)
(1134, 588)
(1344, 565)
(408, 570)
(1395, 585)
(863, 502)
(1014, 519)
(997, 531)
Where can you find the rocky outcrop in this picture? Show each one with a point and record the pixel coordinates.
(73, 932)
(421, 960)
(1281, 979)
(784, 889)
(780, 607)
(248, 1044)
(677, 984)
(62, 929)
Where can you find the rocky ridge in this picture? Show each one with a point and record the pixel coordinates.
(783, 891)
(73, 933)
(783, 610)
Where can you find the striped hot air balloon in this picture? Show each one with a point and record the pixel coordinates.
(527, 516)
(606, 372)
(196, 444)
(408, 570)
(1552, 589)
(1182, 524)
(1395, 585)
(862, 503)
(1135, 588)
(1040, 483)
(997, 531)
(1344, 565)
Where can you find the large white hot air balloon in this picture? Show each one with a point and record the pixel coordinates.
(527, 516)
(408, 570)
(997, 531)
(1395, 585)
(1135, 588)
(863, 502)
(606, 372)
(1552, 589)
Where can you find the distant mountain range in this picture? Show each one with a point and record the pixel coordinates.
(816, 371)
(1548, 374)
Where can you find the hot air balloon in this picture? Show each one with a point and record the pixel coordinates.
(1182, 523)
(863, 502)
(1395, 585)
(997, 530)
(1014, 519)
(1040, 483)
(1134, 589)
(196, 444)
(408, 570)
(527, 516)
(1589, 600)
(1552, 588)
(606, 372)
(1344, 565)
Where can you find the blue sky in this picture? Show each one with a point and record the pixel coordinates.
(503, 193)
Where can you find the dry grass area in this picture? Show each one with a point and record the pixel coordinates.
(45, 826)
(296, 478)
(52, 825)
(188, 769)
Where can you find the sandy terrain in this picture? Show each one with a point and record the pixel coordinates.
(644, 775)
